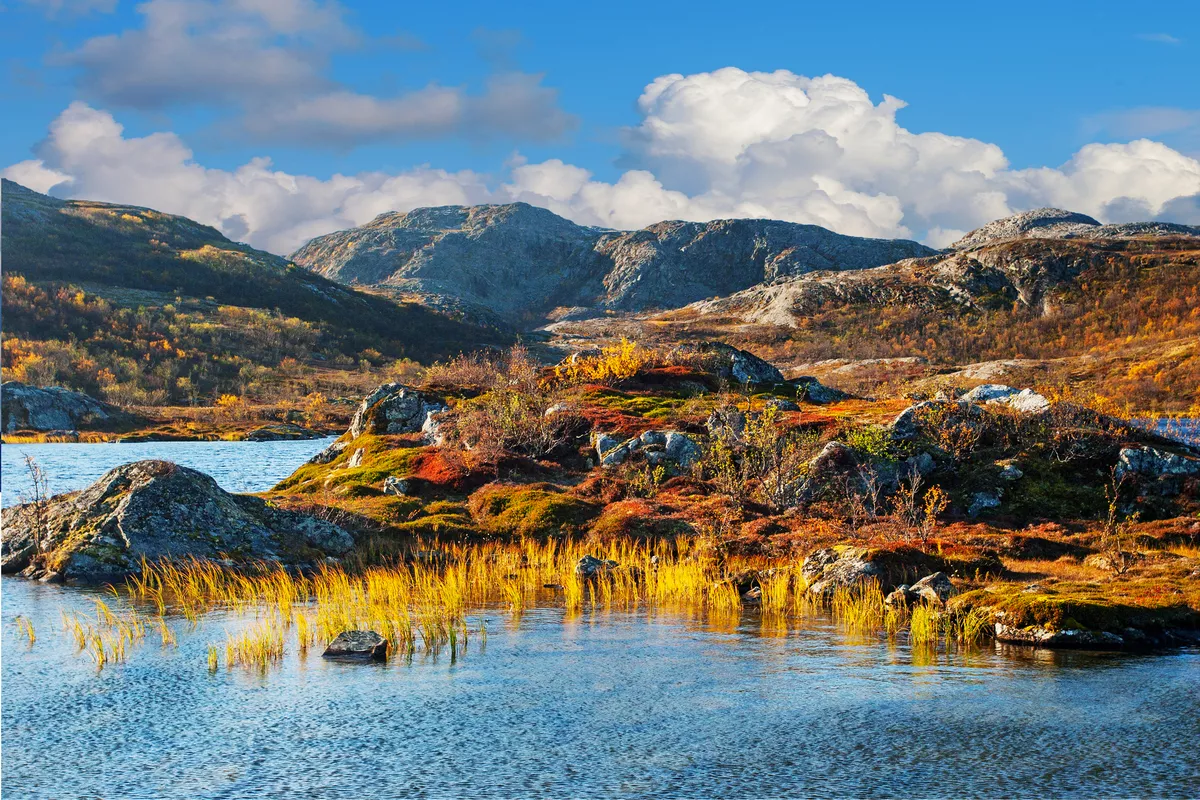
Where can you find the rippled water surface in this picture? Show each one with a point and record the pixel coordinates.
(605, 704)
(236, 466)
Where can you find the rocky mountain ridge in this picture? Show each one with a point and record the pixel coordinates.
(518, 260)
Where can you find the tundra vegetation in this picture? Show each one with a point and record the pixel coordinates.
(637, 478)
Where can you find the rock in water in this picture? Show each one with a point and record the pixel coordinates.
(591, 567)
(357, 646)
(935, 588)
(28, 408)
(156, 510)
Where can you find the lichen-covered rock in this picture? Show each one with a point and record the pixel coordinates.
(1025, 401)
(1155, 464)
(156, 510)
(393, 408)
(667, 448)
(736, 365)
(357, 646)
(826, 570)
(28, 408)
(329, 453)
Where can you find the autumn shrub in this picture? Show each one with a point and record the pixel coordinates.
(614, 363)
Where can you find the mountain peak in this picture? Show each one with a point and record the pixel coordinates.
(1040, 223)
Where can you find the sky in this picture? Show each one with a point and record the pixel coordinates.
(280, 120)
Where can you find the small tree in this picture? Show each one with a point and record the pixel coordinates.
(38, 501)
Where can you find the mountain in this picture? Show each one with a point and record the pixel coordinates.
(142, 279)
(521, 262)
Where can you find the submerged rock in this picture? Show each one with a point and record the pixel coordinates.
(28, 408)
(357, 646)
(156, 510)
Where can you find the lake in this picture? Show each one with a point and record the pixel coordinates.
(236, 466)
(638, 704)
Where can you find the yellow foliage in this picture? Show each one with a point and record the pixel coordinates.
(614, 362)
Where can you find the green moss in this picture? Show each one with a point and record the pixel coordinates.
(649, 406)
(1075, 607)
(1054, 491)
(439, 525)
(524, 510)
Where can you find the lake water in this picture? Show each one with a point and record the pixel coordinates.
(236, 466)
(606, 704)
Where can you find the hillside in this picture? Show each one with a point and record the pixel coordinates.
(522, 262)
(1116, 308)
(99, 295)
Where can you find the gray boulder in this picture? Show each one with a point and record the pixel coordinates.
(736, 365)
(826, 570)
(357, 646)
(392, 409)
(156, 510)
(395, 486)
(1158, 470)
(28, 408)
(1025, 401)
(983, 501)
(814, 391)
(667, 448)
(935, 589)
(590, 567)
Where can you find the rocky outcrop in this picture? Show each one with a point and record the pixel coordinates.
(1155, 469)
(1025, 401)
(827, 569)
(516, 258)
(359, 646)
(670, 449)
(731, 364)
(393, 408)
(156, 510)
(1054, 223)
(28, 408)
(1045, 223)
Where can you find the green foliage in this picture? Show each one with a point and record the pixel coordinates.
(519, 510)
(874, 441)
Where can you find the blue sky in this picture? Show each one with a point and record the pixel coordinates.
(1038, 81)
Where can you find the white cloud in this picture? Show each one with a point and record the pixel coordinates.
(1160, 38)
(268, 59)
(721, 144)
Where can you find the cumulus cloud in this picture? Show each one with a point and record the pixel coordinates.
(722, 144)
(269, 59)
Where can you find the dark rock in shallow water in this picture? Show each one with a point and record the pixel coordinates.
(156, 510)
(286, 432)
(590, 567)
(357, 646)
